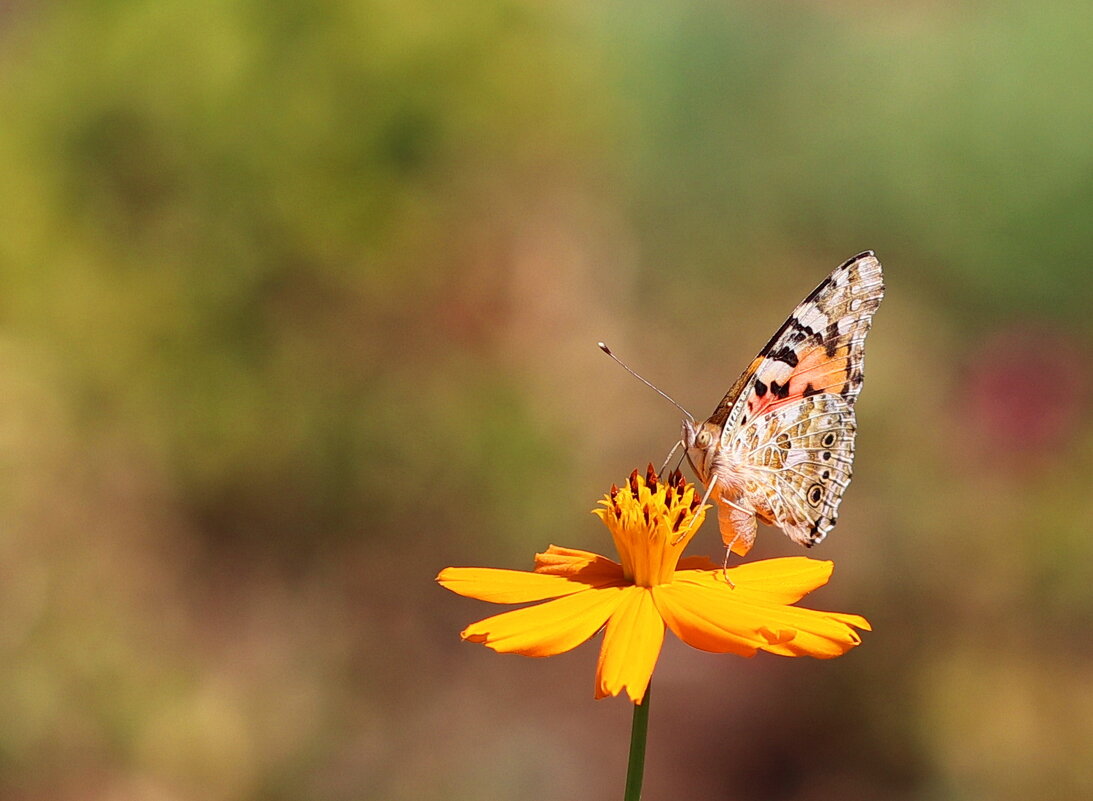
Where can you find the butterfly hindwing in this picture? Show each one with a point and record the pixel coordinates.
(796, 461)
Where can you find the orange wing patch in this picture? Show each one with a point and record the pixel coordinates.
(817, 371)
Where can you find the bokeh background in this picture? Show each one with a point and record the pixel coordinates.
(299, 303)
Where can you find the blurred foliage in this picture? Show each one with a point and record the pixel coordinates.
(228, 217)
(300, 303)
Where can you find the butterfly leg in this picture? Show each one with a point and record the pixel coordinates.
(725, 566)
(668, 458)
(706, 497)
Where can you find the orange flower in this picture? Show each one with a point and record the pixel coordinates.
(740, 610)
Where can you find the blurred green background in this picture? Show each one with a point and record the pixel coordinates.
(299, 303)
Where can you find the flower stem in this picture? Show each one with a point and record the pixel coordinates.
(636, 767)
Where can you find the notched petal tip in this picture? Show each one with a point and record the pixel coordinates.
(631, 646)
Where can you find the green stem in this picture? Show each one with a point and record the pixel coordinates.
(636, 767)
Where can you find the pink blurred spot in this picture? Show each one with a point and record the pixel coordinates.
(1027, 392)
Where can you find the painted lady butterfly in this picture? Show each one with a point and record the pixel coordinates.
(780, 445)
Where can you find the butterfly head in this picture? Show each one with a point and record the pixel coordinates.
(701, 441)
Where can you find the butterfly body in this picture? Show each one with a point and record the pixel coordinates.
(780, 445)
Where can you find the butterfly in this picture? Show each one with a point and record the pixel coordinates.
(779, 447)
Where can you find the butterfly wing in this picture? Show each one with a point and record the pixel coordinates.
(819, 348)
(796, 463)
(799, 392)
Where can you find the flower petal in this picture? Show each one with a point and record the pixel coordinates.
(513, 586)
(784, 580)
(697, 563)
(631, 646)
(820, 634)
(716, 618)
(583, 566)
(550, 628)
(699, 616)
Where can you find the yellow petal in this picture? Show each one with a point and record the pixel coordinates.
(724, 620)
(781, 581)
(512, 586)
(700, 617)
(697, 563)
(550, 628)
(631, 646)
(581, 565)
(820, 634)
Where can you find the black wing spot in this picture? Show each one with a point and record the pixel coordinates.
(831, 338)
(786, 355)
(815, 494)
(828, 440)
(810, 391)
(826, 455)
(760, 388)
(779, 390)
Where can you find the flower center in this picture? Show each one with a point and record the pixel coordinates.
(651, 522)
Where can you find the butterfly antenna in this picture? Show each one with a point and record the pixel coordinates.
(651, 386)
